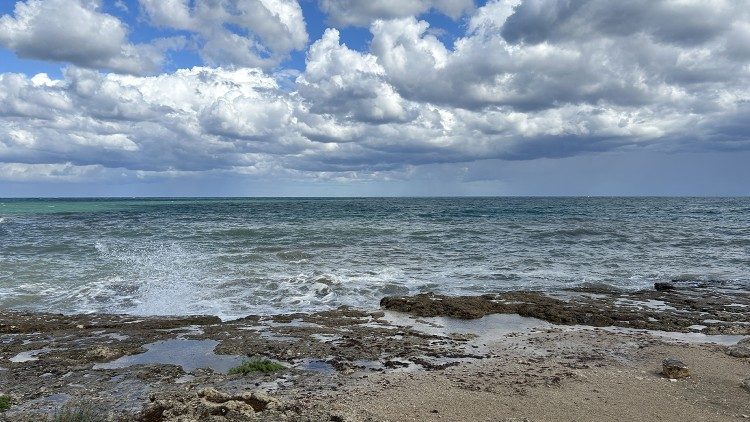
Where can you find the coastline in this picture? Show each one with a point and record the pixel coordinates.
(582, 354)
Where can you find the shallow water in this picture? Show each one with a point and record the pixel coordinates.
(233, 257)
(189, 354)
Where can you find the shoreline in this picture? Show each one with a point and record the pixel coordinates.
(567, 355)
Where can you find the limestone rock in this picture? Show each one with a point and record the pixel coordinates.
(259, 400)
(674, 369)
(741, 349)
(103, 353)
(209, 404)
(213, 395)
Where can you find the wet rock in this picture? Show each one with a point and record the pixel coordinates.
(741, 349)
(393, 364)
(644, 309)
(662, 286)
(428, 305)
(675, 369)
(103, 353)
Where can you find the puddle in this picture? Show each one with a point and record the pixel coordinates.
(498, 327)
(297, 323)
(268, 335)
(185, 378)
(325, 338)
(489, 328)
(315, 365)
(568, 295)
(189, 354)
(116, 336)
(693, 337)
(185, 331)
(29, 355)
(658, 305)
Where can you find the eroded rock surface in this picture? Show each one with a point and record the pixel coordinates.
(48, 360)
(710, 311)
(741, 349)
(675, 369)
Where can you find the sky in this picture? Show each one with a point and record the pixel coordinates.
(374, 98)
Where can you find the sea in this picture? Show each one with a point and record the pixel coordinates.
(233, 257)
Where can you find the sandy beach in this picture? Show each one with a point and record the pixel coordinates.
(584, 354)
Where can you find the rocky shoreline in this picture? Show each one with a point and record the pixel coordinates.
(515, 354)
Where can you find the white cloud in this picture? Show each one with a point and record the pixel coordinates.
(505, 89)
(76, 31)
(268, 29)
(504, 60)
(21, 172)
(349, 84)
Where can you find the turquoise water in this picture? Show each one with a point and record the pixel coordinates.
(232, 257)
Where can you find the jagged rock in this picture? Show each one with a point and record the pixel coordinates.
(741, 349)
(103, 353)
(662, 286)
(209, 404)
(213, 395)
(259, 400)
(675, 369)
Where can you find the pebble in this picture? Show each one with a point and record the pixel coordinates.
(675, 369)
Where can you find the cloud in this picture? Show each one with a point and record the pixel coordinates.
(189, 120)
(349, 84)
(510, 88)
(504, 61)
(669, 21)
(75, 31)
(256, 33)
(64, 172)
(362, 13)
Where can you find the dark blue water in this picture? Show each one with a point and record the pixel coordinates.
(232, 257)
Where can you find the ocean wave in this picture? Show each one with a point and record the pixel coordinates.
(279, 258)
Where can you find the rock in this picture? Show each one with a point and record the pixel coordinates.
(674, 369)
(662, 286)
(339, 416)
(101, 353)
(746, 384)
(213, 395)
(209, 405)
(234, 410)
(259, 400)
(741, 349)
